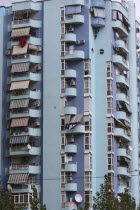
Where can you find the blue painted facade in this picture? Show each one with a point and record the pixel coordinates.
(84, 77)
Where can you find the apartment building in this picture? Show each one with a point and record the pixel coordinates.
(69, 89)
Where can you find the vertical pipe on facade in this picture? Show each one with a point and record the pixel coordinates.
(133, 102)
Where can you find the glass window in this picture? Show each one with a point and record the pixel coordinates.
(87, 141)
(87, 85)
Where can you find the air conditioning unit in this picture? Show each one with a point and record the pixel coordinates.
(118, 158)
(39, 49)
(37, 124)
(37, 104)
(72, 82)
(82, 42)
(119, 177)
(71, 139)
(38, 67)
(91, 9)
(78, 42)
(8, 52)
(71, 29)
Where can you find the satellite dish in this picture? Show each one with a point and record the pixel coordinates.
(78, 198)
(130, 148)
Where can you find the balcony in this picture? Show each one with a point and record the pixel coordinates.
(124, 171)
(74, 55)
(26, 23)
(74, 19)
(123, 152)
(23, 150)
(69, 37)
(29, 113)
(122, 79)
(122, 97)
(99, 3)
(120, 27)
(31, 40)
(74, 2)
(121, 133)
(28, 58)
(71, 187)
(78, 129)
(72, 110)
(70, 167)
(23, 189)
(121, 188)
(122, 115)
(70, 148)
(122, 46)
(30, 132)
(70, 73)
(29, 76)
(120, 62)
(29, 169)
(97, 22)
(70, 92)
(18, 6)
(28, 94)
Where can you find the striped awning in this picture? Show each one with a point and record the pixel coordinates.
(18, 50)
(18, 178)
(20, 32)
(22, 103)
(19, 122)
(20, 67)
(76, 119)
(19, 139)
(19, 85)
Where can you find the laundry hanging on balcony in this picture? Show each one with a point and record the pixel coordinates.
(19, 85)
(19, 139)
(18, 50)
(20, 67)
(21, 103)
(18, 178)
(23, 41)
(20, 32)
(19, 122)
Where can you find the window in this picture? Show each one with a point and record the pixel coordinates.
(111, 180)
(87, 104)
(63, 181)
(87, 120)
(87, 67)
(63, 141)
(62, 48)
(110, 125)
(87, 85)
(63, 67)
(87, 138)
(63, 104)
(62, 124)
(21, 198)
(63, 199)
(109, 87)
(62, 85)
(62, 161)
(88, 180)
(88, 198)
(88, 161)
(110, 162)
(62, 31)
(99, 12)
(110, 105)
(110, 143)
(109, 69)
(62, 13)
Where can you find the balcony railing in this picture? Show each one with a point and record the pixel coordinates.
(21, 167)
